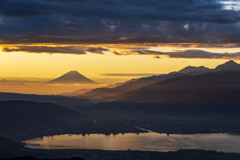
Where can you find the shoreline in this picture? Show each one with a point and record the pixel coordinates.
(129, 154)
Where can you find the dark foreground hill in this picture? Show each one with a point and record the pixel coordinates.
(8, 147)
(19, 117)
(59, 100)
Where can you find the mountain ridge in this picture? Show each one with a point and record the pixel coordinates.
(189, 69)
(199, 88)
(229, 65)
(112, 93)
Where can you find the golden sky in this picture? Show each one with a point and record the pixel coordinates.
(23, 64)
(124, 59)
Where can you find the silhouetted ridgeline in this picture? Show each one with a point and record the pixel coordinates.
(207, 87)
(147, 89)
(113, 93)
(175, 88)
(230, 65)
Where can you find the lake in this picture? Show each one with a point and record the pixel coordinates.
(150, 141)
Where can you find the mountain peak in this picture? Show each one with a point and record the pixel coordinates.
(73, 73)
(229, 65)
(231, 62)
(72, 77)
(189, 69)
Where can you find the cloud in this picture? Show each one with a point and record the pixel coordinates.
(156, 57)
(119, 21)
(128, 74)
(174, 10)
(121, 51)
(202, 54)
(191, 54)
(1, 21)
(157, 10)
(51, 50)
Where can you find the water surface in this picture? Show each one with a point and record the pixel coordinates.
(142, 142)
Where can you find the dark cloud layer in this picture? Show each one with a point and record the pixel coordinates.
(79, 50)
(61, 50)
(127, 74)
(184, 54)
(191, 10)
(119, 21)
(196, 54)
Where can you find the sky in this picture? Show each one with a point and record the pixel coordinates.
(115, 38)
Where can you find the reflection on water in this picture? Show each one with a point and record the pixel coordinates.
(143, 142)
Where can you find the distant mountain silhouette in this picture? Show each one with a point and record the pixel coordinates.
(230, 65)
(113, 93)
(72, 77)
(207, 87)
(193, 69)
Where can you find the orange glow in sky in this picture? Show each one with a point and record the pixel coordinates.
(22, 64)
